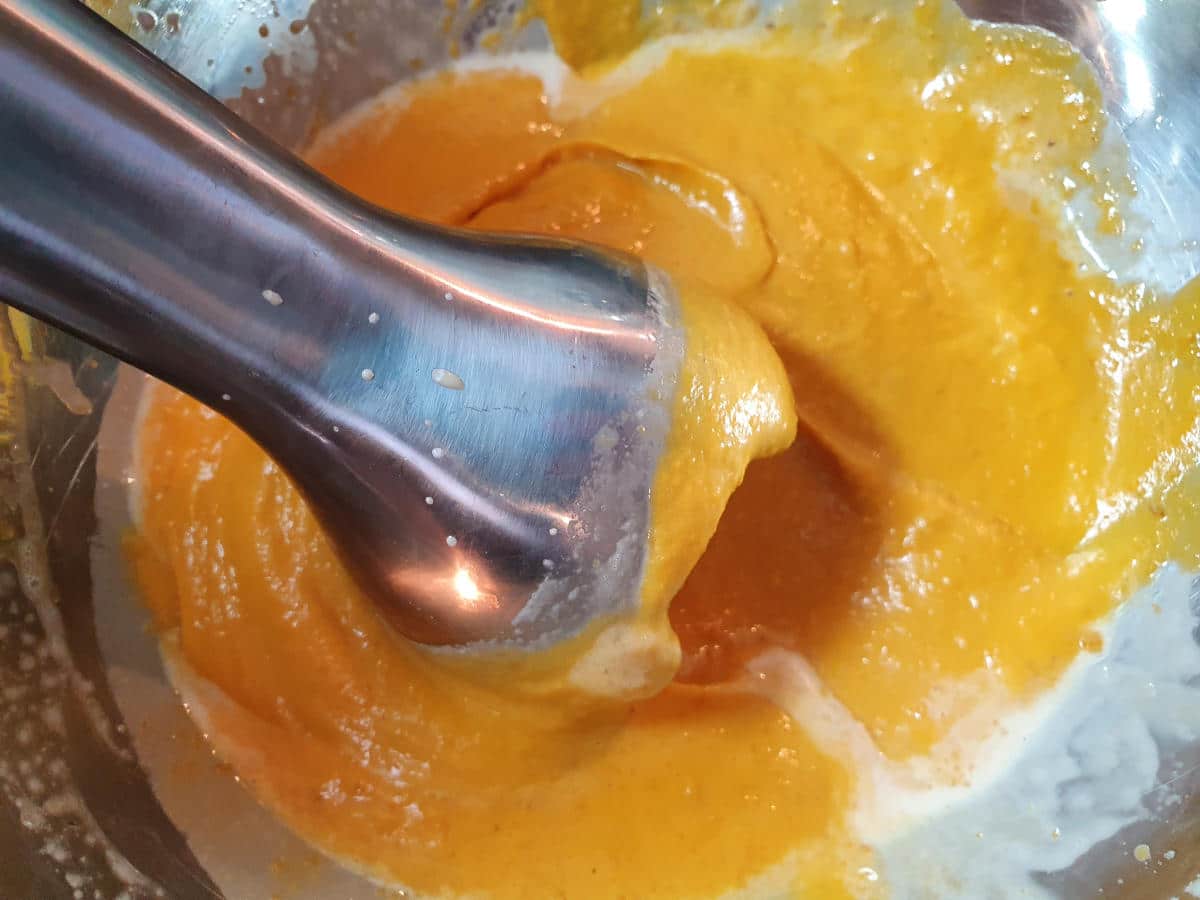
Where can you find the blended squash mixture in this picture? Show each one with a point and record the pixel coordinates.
(996, 446)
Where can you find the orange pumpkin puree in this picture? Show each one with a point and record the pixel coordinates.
(995, 447)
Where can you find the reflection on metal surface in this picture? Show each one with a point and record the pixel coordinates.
(1147, 61)
(561, 358)
(319, 57)
(75, 806)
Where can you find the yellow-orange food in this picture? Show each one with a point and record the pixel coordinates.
(995, 448)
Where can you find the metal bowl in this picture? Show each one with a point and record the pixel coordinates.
(78, 815)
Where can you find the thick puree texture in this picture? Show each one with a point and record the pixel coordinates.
(996, 446)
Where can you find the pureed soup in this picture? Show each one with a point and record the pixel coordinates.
(995, 449)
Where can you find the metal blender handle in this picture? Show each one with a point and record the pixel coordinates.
(141, 215)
